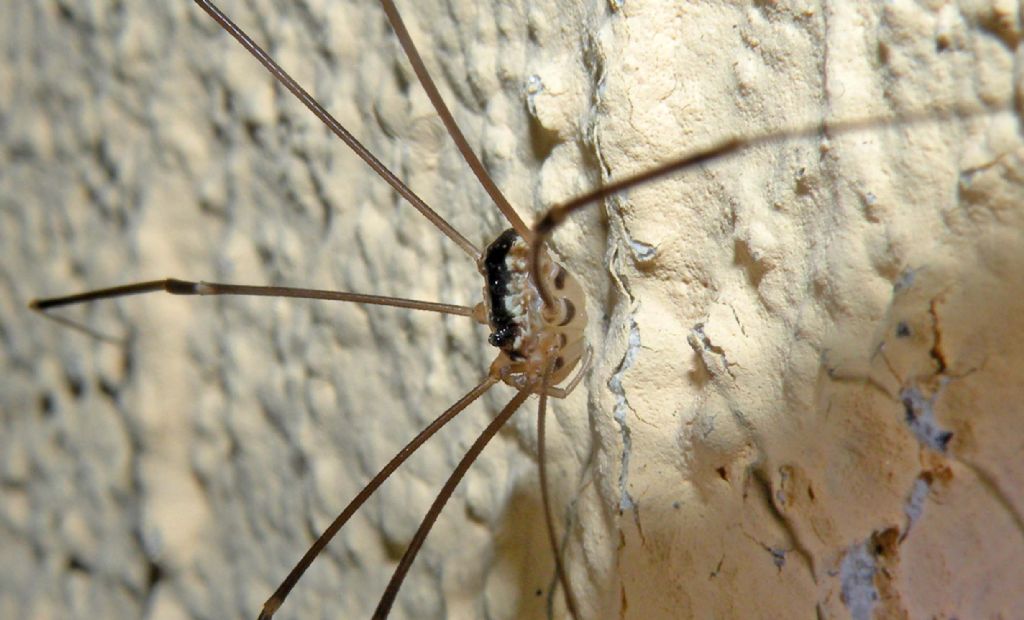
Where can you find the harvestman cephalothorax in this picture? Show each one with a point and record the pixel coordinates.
(535, 362)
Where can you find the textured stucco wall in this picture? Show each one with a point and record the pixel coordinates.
(807, 386)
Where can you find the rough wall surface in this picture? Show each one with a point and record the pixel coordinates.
(806, 394)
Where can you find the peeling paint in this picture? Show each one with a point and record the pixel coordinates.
(920, 417)
(712, 355)
(642, 252)
(915, 502)
(857, 574)
(534, 86)
(905, 281)
(621, 410)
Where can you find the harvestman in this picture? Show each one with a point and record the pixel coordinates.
(534, 308)
(539, 335)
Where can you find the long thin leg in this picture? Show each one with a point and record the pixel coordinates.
(570, 599)
(388, 599)
(449, 121)
(275, 600)
(336, 127)
(723, 149)
(184, 287)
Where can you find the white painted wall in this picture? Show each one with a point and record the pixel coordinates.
(761, 326)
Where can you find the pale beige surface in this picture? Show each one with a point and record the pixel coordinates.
(781, 340)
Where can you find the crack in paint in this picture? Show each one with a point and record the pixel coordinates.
(620, 411)
(936, 351)
(642, 252)
(920, 417)
(702, 346)
(857, 576)
(783, 521)
(914, 506)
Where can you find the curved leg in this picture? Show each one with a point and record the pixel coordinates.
(570, 599)
(562, 392)
(388, 599)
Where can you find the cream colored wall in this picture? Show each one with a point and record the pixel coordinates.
(781, 340)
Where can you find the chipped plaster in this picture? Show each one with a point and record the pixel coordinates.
(757, 323)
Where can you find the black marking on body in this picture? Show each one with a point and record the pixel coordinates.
(570, 313)
(503, 327)
(560, 279)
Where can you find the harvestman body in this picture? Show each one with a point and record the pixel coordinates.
(534, 308)
(539, 334)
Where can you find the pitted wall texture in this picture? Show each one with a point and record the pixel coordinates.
(807, 380)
